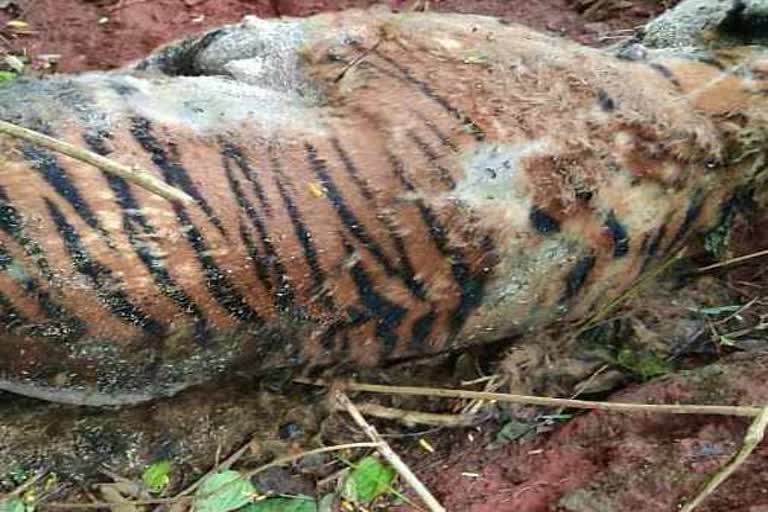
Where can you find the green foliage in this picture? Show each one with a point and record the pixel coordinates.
(12, 504)
(223, 491)
(369, 479)
(716, 240)
(4, 76)
(157, 475)
(644, 364)
(295, 504)
(716, 310)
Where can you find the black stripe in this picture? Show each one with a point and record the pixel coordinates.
(355, 317)
(234, 153)
(471, 285)
(619, 235)
(175, 174)
(353, 224)
(216, 281)
(352, 170)
(653, 245)
(666, 73)
(442, 137)
(406, 266)
(134, 224)
(407, 77)
(421, 329)
(219, 286)
(11, 319)
(281, 290)
(48, 167)
(576, 277)
(542, 221)
(259, 262)
(607, 104)
(432, 157)
(64, 326)
(650, 247)
(108, 287)
(12, 223)
(691, 214)
(302, 233)
(388, 315)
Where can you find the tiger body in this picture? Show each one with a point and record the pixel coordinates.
(368, 187)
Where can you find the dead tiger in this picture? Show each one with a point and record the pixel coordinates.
(368, 187)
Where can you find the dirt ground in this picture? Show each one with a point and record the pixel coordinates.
(597, 462)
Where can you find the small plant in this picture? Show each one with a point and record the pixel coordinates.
(369, 479)
(224, 491)
(157, 476)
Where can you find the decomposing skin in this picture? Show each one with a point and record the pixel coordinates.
(369, 187)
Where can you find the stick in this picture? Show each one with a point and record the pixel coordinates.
(753, 437)
(734, 261)
(388, 453)
(720, 410)
(134, 175)
(415, 417)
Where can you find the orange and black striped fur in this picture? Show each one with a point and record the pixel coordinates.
(368, 187)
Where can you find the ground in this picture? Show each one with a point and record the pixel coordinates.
(519, 458)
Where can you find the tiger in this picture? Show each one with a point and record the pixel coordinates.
(367, 187)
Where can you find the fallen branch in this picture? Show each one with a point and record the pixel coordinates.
(734, 261)
(415, 417)
(753, 437)
(719, 410)
(134, 175)
(388, 453)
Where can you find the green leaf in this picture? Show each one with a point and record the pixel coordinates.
(7, 75)
(368, 479)
(157, 475)
(223, 491)
(12, 504)
(297, 504)
(644, 364)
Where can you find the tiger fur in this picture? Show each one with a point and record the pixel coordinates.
(368, 187)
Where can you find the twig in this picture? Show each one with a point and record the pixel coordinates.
(134, 175)
(734, 261)
(416, 417)
(282, 461)
(165, 501)
(718, 410)
(753, 437)
(388, 453)
(356, 61)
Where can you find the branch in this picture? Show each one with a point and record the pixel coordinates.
(134, 175)
(388, 453)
